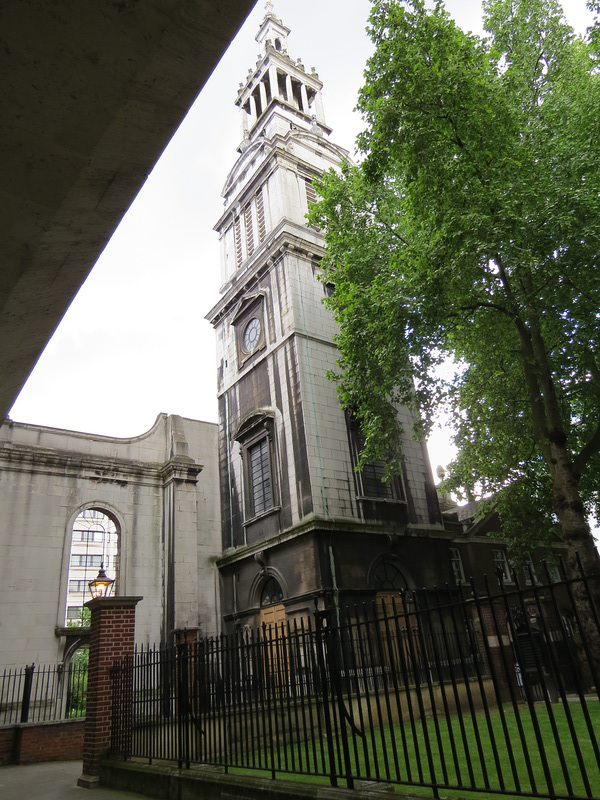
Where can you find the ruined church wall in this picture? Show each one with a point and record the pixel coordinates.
(160, 488)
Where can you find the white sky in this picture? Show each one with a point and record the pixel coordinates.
(134, 342)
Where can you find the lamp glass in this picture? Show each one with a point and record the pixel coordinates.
(101, 585)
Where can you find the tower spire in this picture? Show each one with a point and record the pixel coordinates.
(278, 84)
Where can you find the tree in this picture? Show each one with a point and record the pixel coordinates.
(471, 229)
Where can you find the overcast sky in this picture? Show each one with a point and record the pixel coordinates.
(134, 342)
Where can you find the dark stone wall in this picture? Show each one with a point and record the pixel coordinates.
(337, 566)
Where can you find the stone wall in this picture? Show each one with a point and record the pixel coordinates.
(161, 489)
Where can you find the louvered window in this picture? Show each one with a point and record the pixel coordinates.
(260, 217)
(249, 231)
(260, 476)
(237, 235)
(311, 194)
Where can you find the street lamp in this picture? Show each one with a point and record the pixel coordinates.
(101, 585)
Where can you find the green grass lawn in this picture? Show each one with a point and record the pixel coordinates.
(460, 754)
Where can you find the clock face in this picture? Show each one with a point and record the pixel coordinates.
(252, 334)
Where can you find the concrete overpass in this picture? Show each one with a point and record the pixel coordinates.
(90, 94)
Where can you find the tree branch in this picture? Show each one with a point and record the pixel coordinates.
(593, 445)
(538, 415)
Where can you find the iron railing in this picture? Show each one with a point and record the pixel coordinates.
(493, 692)
(42, 693)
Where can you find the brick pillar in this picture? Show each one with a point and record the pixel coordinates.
(112, 627)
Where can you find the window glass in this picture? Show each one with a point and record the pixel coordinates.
(272, 593)
(457, 565)
(260, 476)
(501, 565)
(388, 578)
(369, 479)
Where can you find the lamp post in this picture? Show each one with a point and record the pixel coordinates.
(101, 585)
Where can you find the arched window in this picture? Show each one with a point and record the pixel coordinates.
(94, 545)
(278, 45)
(387, 577)
(271, 594)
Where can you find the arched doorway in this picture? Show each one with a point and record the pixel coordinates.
(395, 624)
(272, 610)
(388, 582)
(94, 545)
(273, 629)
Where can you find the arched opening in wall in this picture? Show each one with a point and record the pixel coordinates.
(273, 629)
(389, 582)
(94, 546)
(75, 684)
(272, 611)
(395, 622)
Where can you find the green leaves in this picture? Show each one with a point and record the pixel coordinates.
(472, 229)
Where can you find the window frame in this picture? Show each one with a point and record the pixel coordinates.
(260, 476)
(457, 566)
(258, 430)
(395, 488)
(499, 556)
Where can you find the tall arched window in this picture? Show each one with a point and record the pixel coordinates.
(94, 544)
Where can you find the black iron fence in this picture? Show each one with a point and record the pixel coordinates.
(42, 693)
(494, 692)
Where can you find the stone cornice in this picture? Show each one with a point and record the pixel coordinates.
(100, 469)
(287, 237)
(316, 524)
(180, 469)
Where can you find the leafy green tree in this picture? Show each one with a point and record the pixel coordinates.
(83, 619)
(471, 229)
(77, 683)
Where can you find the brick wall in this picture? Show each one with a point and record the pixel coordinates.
(7, 737)
(36, 742)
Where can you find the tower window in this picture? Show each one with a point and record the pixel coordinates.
(256, 96)
(297, 94)
(260, 477)
(260, 217)
(281, 85)
(237, 235)
(256, 436)
(278, 45)
(311, 193)
(369, 480)
(266, 83)
(249, 230)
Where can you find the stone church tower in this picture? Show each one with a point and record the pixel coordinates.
(298, 521)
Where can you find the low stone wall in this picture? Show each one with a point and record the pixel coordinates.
(210, 783)
(35, 742)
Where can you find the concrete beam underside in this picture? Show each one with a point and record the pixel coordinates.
(92, 94)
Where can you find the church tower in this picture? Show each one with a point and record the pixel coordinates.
(298, 521)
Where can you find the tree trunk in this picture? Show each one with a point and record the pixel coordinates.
(581, 553)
